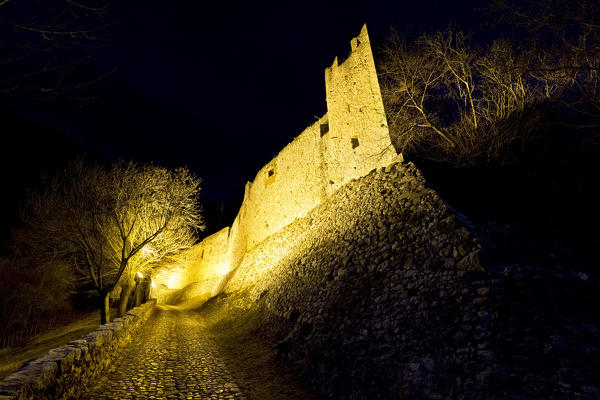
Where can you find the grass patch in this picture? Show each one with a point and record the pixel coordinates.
(12, 358)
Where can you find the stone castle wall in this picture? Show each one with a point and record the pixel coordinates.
(203, 262)
(287, 187)
(359, 138)
(345, 144)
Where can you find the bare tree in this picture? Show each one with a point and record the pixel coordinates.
(449, 102)
(49, 48)
(114, 223)
(563, 55)
(409, 77)
(156, 216)
(503, 85)
(452, 51)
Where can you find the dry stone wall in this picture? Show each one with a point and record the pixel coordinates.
(386, 218)
(378, 293)
(68, 371)
(368, 283)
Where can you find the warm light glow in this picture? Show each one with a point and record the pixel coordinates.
(221, 268)
(140, 274)
(172, 279)
(153, 285)
(175, 280)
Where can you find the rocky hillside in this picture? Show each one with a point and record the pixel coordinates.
(379, 293)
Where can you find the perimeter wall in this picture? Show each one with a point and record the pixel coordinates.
(350, 140)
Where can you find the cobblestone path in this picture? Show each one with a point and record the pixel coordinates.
(170, 358)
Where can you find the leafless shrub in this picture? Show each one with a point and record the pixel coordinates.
(450, 102)
(562, 50)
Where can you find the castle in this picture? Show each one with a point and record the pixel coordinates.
(350, 140)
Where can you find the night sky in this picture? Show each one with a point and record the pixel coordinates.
(219, 88)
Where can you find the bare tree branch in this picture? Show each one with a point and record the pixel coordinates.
(125, 219)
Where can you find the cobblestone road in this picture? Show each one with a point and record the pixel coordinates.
(170, 358)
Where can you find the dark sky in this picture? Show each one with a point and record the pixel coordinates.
(221, 87)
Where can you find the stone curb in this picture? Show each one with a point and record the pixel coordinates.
(69, 370)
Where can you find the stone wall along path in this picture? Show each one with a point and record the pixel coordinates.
(171, 358)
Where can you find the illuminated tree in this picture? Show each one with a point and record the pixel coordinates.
(156, 216)
(112, 224)
(408, 76)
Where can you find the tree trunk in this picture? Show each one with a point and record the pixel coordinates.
(124, 299)
(139, 293)
(104, 308)
(147, 289)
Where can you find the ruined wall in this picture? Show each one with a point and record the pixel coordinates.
(359, 139)
(211, 252)
(287, 187)
(346, 143)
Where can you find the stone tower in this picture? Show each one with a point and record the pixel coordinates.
(359, 139)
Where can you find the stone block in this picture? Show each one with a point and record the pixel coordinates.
(35, 375)
(135, 311)
(94, 340)
(82, 345)
(105, 333)
(64, 357)
(92, 344)
(12, 385)
(116, 327)
(470, 262)
(125, 322)
(44, 373)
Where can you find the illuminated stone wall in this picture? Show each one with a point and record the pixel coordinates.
(212, 253)
(366, 285)
(202, 262)
(286, 188)
(359, 139)
(346, 143)
(386, 220)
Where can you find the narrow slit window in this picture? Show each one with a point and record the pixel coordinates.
(271, 172)
(354, 142)
(324, 129)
